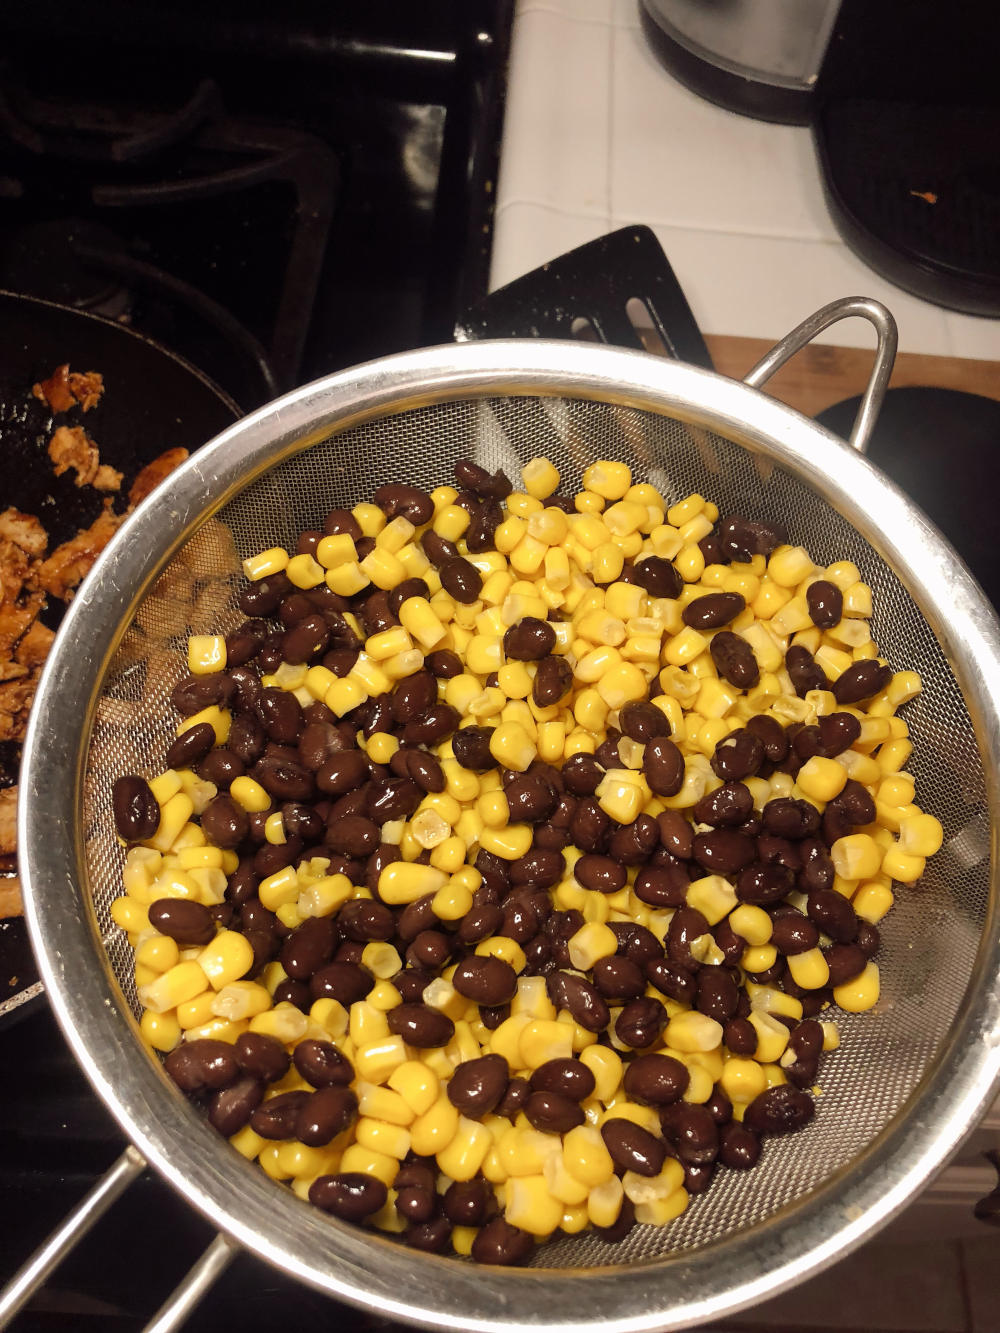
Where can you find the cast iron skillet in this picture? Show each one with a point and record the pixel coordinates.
(153, 401)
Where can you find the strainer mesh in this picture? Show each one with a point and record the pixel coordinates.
(931, 937)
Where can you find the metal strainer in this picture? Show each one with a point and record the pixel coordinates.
(911, 1077)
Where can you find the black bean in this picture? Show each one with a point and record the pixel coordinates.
(414, 695)
(686, 925)
(193, 693)
(476, 1087)
(734, 660)
(718, 993)
(500, 1243)
(713, 610)
(136, 810)
(530, 798)
(868, 940)
(431, 1236)
(230, 1109)
(486, 980)
(816, 870)
(221, 767)
(861, 681)
(671, 979)
(788, 818)
(443, 663)
(806, 1044)
(728, 805)
(529, 640)
(471, 747)
(723, 851)
(421, 1026)
(324, 1114)
(740, 1036)
(540, 868)
(834, 915)
(570, 1078)
(410, 502)
(737, 756)
(346, 982)
(184, 920)
(771, 735)
(580, 998)
(351, 1196)
(582, 774)
(261, 1057)
(742, 538)
(353, 836)
(633, 1148)
(396, 799)
(468, 1203)
(793, 933)
(663, 766)
(826, 604)
(803, 671)
(432, 726)
(779, 1110)
(658, 577)
(284, 778)
(634, 843)
(845, 961)
(431, 949)
(600, 873)
(461, 579)
(618, 978)
(838, 732)
(640, 1022)
(693, 1132)
(342, 772)
(309, 947)
(553, 1113)
(739, 1146)
(656, 1080)
(439, 550)
(203, 1065)
(225, 823)
(486, 519)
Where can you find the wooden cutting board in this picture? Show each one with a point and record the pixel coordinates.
(821, 375)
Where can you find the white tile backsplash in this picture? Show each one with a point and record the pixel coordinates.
(598, 135)
(557, 115)
(677, 159)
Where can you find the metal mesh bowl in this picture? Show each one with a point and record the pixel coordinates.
(910, 1077)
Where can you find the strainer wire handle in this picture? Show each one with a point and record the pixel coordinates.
(91, 1208)
(26, 1281)
(885, 354)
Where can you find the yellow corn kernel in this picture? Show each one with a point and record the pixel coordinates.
(608, 479)
(265, 564)
(462, 1158)
(543, 1039)
(323, 896)
(196, 1011)
(586, 1157)
(920, 835)
(240, 999)
(742, 1080)
(809, 969)
(540, 478)
(620, 796)
(591, 942)
(159, 953)
(658, 1212)
(174, 815)
(872, 901)
(789, 565)
(226, 959)
(285, 1022)
(690, 562)
(130, 915)
(382, 1137)
(404, 882)
(772, 1036)
(304, 571)
(856, 856)
(751, 923)
(605, 1202)
(693, 1031)
(432, 1131)
(369, 1162)
(280, 888)
(274, 829)
(416, 1084)
(161, 1031)
(684, 647)
(606, 1066)
(713, 896)
(512, 747)
(179, 983)
(622, 684)
(206, 653)
(821, 779)
(330, 1015)
(900, 866)
(347, 578)
(336, 550)
(860, 993)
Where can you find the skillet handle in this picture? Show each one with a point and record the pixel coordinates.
(885, 355)
(91, 1208)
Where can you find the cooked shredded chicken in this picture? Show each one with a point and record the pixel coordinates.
(71, 562)
(153, 473)
(71, 447)
(27, 575)
(64, 388)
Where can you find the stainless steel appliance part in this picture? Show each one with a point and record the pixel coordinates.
(911, 1077)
